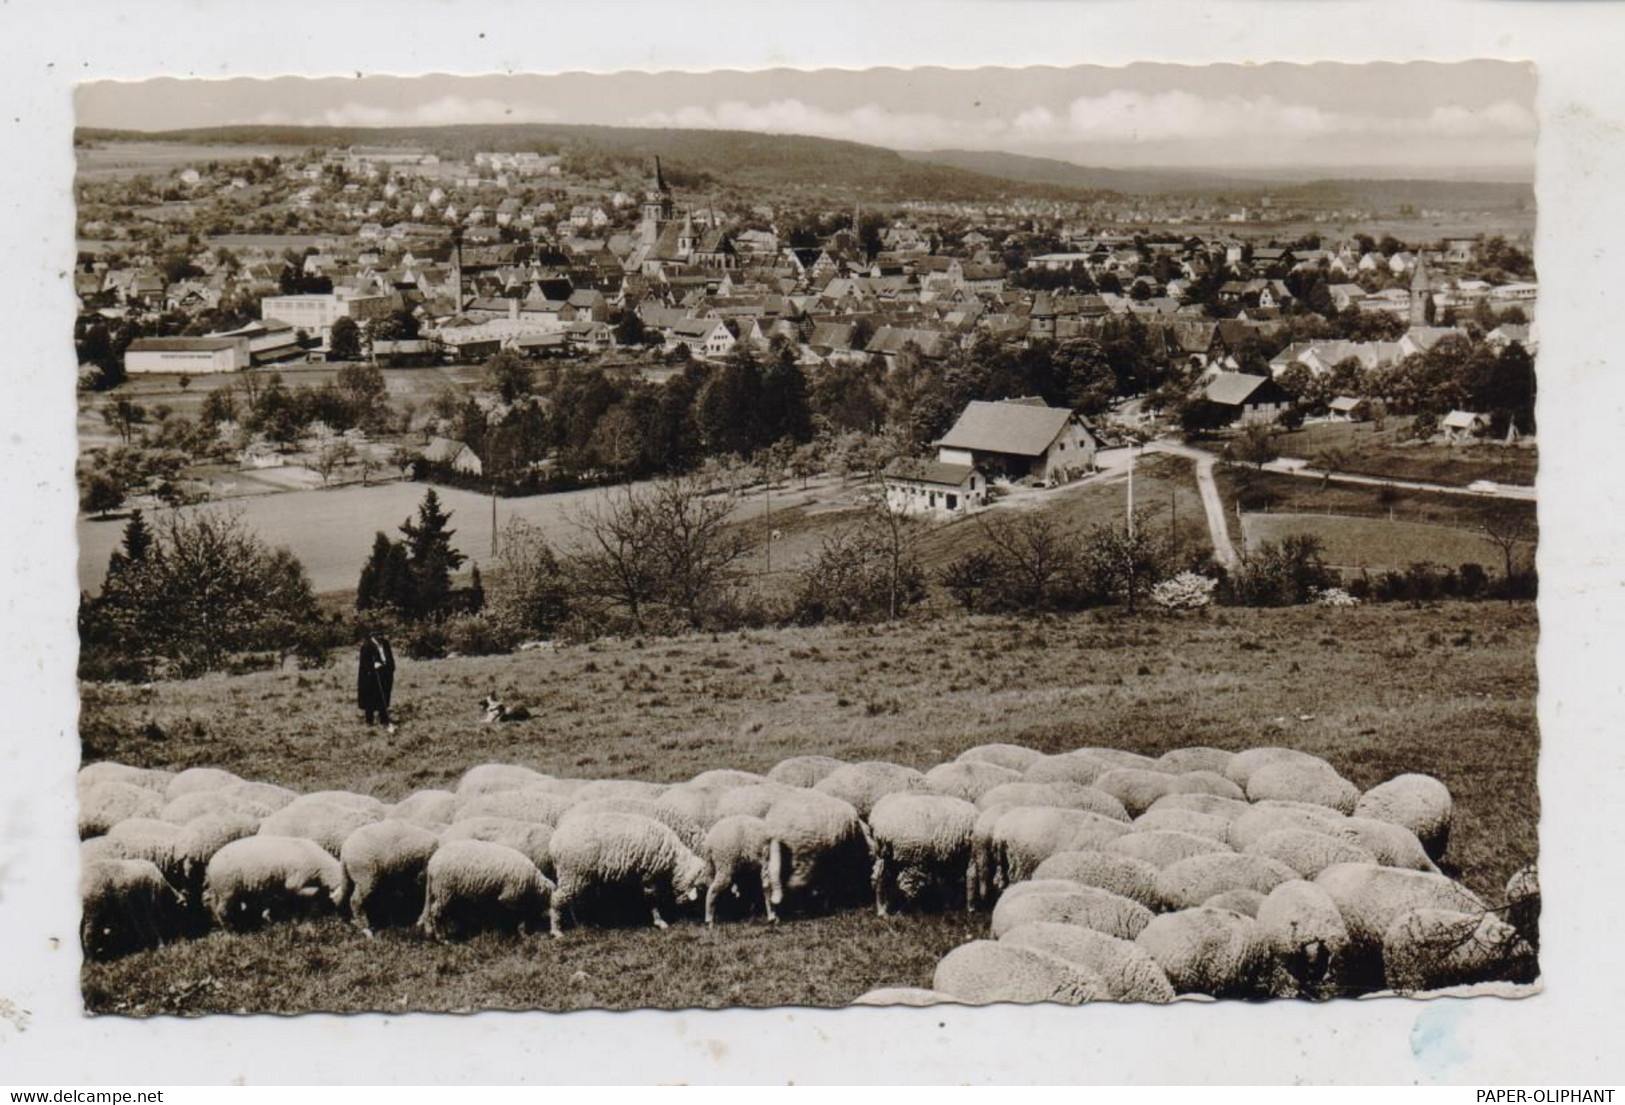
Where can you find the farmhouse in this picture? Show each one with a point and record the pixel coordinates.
(1348, 408)
(191, 355)
(1463, 426)
(932, 487)
(452, 454)
(1246, 398)
(1020, 438)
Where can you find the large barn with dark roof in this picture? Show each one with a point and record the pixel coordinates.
(1020, 438)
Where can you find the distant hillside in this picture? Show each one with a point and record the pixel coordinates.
(695, 158)
(1047, 170)
(1387, 194)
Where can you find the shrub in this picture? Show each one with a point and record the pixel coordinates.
(969, 579)
(1284, 573)
(1472, 580)
(478, 635)
(866, 572)
(1335, 596)
(1185, 591)
(427, 640)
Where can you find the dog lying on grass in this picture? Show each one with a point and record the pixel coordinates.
(496, 711)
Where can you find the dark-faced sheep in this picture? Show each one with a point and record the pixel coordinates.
(922, 845)
(125, 906)
(1306, 934)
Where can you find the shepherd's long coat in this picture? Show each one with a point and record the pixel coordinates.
(374, 684)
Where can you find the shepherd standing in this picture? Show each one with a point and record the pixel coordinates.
(376, 678)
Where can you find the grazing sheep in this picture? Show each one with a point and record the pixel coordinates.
(1130, 974)
(1430, 949)
(150, 839)
(1210, 804)
(1209, 951)
(426, 807)
(194, 779)
(803, 771)
(1241, 900)
(200, 838)
(694, 803)
(1013, 756)
(385, 866)
(343, 799)
(1210, 825)
(108, 771)
(724, 778)
(525, 804)
(493, 778)
(689, 831)
(1164, 847)
(986, 971)
(532, 839)
(1068, 767)
(1306, 935)
(1190, 882)
(969, 780)
(1198, 758)
(736, 850)
(197, 803)
(104, 805)
(328, 825)
(260, 879)
(1136, 788)
(598, 854)
(1116, 757)
(617, 788)
(266, 794)
(1371, 898)
(1065, 796)
(819, 850)
(864, 784)
(474, 886)
(1242, 765)
(1392, 845)
(1063, 902)
(1261, 821)
(904, 995)
(753, 801)
(922, 846)
(1310, 782)
(1308, 853)
(98, 848)
(1025, 836)
(1130, 878)
(125, 906)
(1420, 803)
(1523, 904)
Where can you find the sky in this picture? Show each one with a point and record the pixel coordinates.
(1423, 118)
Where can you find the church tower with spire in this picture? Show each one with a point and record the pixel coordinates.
(1421, 290)
(657, 206)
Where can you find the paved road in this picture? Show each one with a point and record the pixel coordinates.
(1213, 506)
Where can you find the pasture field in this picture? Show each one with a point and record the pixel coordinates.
(1447, 689)
(1377, 544)
(1373, 452)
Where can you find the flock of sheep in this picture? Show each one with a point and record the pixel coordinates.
(1110, 875)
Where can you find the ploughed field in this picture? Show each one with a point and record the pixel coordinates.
(1445, 690)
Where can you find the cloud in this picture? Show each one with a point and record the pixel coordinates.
(446, 111)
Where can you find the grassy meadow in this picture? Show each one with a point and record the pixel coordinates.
(1370, 451)
(1447, 689)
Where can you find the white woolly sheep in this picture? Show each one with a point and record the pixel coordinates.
(617, 788)
(492, 778)
(328, 825)
(1069, 903)
(1420, 803)
(109, 771)
(622, 856)
(1067, 767)
(525, 804)
(1129, 972)
(752, 801)
(1130, 878)
(725, 778)
(1306, 934)
(1392, 845)
(1197, 758)
(863, 784)
(194, 779)
(1242, 765)
(198, 803)
(803, 771)
(343, 799)
(104, 805)
(1210, 804)
(1164, 847)
(904, 995)
(125, 906)
(1209, 951)
(1064, 796)
(1300, 781)
(266, 794)
(426, 807)
(385, 866)
(1190, 882)
(1139, 788)
(150, 839)
(987, 971)
(1167, 819)
(532, 839)
(1013, 756)
(200, 838)
(1118, 758)
(736, 850)
(1308, 853)
(968, 780)
(98, 848)
(1261, 821)
(689, 831)
(1523, 904)
(474, 886)
(271, 878)
(922, 847)
(695, 804)
(1430, 949)
(1024, 837)
(1240, 900)
(1371, 898)
(819, 850)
